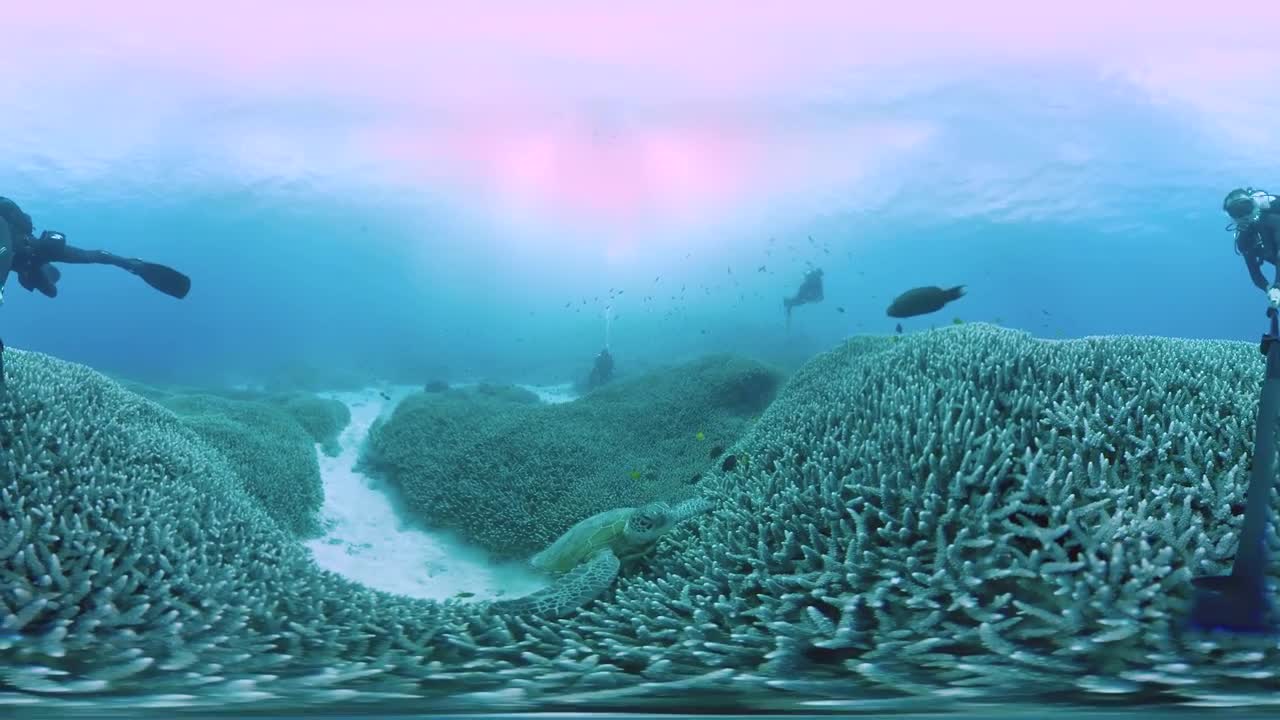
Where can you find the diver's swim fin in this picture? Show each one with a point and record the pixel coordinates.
(163, 278)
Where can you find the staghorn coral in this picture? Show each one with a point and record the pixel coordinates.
(972, 508)
(322, 418)
(267, 447)
(259, 439)
(967, 510)
(511, 475)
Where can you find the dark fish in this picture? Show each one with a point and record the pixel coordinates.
(716, 451)
(923, 300)
(696, 477)
(729, 463)
(840, 309)
(384, 395)
(898, 328)
(760, 269)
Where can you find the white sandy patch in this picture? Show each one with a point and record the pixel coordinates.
(368, 541)
(553, 394)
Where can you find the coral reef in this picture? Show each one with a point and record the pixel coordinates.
(269, 441)
(964, 513)
(511, 475)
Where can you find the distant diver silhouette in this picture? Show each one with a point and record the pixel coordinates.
(810, 291)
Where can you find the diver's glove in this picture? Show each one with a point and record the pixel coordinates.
(1273, 296)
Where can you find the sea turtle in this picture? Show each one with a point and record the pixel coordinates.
(588, 556)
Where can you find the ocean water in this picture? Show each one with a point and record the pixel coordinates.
(360, 467)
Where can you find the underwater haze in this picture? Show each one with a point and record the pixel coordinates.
(371, 464)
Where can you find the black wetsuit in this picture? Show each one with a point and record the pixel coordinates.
(31, 257)
(602, 371)
(1260, 243)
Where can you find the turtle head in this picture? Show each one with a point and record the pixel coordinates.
(649, 521)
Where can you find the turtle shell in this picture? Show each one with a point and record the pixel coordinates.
(584, 539)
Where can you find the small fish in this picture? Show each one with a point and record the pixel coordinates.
(956, 321)
(923, 300)
(760, 269)
(840, 309)
(716, 451)
(464, 594)
(898, 328)
(384, 395)
(700, 437)
(635, 474)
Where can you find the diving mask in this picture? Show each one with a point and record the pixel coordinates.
(1246, 207)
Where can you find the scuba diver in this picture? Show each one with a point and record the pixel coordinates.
(1240, 602)
(810, 292)
(601, 371)
(1256, 218)
(32, 258)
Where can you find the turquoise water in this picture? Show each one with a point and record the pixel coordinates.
(299, 489)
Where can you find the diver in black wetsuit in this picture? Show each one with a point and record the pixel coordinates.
(32, 258)
(1256, 215)
(1241, 602)
(601, 370)
(810, 292)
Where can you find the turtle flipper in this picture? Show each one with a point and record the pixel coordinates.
(688, 508)
(574, 589)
